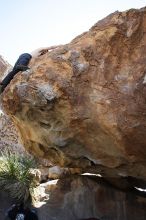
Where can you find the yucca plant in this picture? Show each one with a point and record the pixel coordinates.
(15, 177)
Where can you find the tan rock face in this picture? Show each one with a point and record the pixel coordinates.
(84, 104)
(4, 66)
(83, 198)
(9, 139)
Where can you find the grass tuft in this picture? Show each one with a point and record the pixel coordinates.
(15, 177)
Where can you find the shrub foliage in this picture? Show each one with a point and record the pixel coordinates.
(15, 177)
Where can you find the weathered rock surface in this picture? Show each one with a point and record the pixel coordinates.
(9, 138)
(4, 67)
(81, 197)
(84, 104)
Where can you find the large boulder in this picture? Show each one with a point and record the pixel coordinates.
(84, 104)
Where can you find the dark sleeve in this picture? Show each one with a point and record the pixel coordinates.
(7, 218)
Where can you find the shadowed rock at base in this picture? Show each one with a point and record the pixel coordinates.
(84, 197)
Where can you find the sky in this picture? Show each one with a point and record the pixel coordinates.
(26, 25)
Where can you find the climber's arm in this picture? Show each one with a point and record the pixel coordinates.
(46, 49)
(40, 51)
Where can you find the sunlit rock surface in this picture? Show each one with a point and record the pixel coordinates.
(84, 104)
(4, 67)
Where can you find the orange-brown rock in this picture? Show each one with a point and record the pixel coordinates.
(84, 104)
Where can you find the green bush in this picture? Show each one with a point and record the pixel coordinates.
(15, 177)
